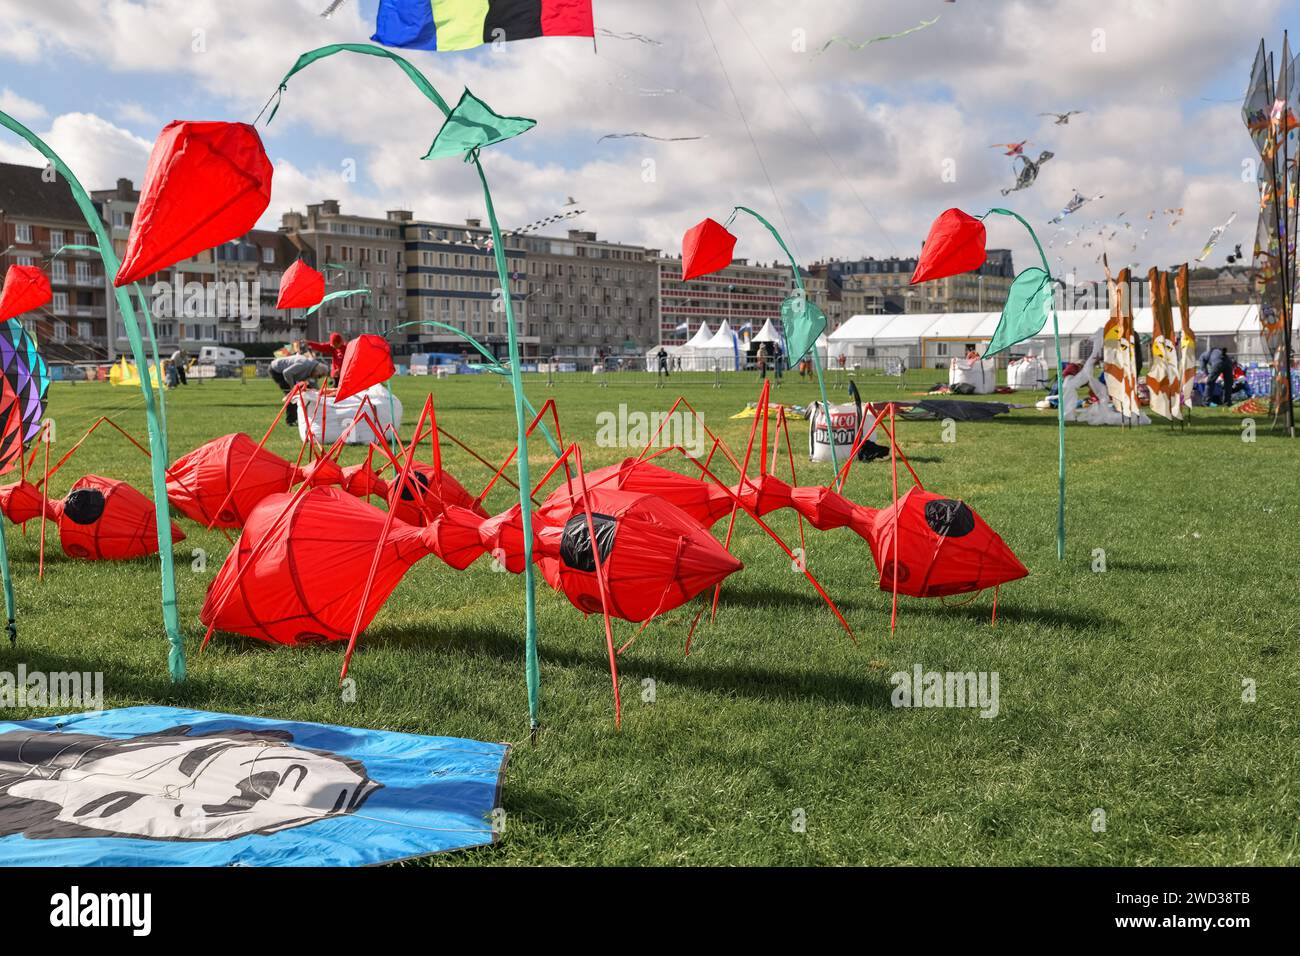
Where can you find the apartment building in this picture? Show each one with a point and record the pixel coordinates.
(38, 218)
(741, 294)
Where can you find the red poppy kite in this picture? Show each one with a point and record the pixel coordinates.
(706, 248)
(301, 287)
(206, 183)
(26, 288)
(955, 245)
(367, 361)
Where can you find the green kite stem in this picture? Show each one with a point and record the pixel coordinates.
(525, 483)
(11, 609)
(516, 381)
(1060, 391)
(157, 446)
(817, 360)
(157, 363)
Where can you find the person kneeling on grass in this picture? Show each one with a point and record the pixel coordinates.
(288, 370)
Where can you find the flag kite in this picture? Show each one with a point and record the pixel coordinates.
(161, 786)
(1077, 202)
(206, 183)
(1215, 235)
(852, 45)
(445, 25)
(1162, 378)
(1118, 366)
(301, 287)
(1186, 343)
(26, 288)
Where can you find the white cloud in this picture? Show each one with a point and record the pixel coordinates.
(19, 107)
(94, 149)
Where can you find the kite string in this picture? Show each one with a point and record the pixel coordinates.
(748, 129)
(816, 137)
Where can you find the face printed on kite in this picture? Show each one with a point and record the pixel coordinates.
(171, 786)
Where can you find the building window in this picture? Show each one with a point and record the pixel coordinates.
(60, 331)
(84, 330)
(268, 256)
(56, 240)
(60, 302)
(24, 232)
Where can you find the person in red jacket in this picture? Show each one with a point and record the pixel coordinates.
(334, 349)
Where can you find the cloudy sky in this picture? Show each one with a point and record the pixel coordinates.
(850, 152)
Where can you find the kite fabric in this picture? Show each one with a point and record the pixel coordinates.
(472, 125)
(804, 323)
(706, 248)
(103, 519)
(1029, 302)
(206, 183)
(943, 548)
(301, 287)
(26, 289)
(28, 375)
(223, 480)
(367, 361)
(165, 786)
(11, 428)
(954, 245)
(445, 25)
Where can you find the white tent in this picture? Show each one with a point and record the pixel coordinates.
(700, 338)
(720, 350)
(933, 340)
(767, 333)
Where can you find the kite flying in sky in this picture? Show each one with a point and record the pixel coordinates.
(1062, 119)
(445, 25)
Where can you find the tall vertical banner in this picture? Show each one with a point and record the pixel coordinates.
(1118, 365)
(1186, 344)
(1163, 378)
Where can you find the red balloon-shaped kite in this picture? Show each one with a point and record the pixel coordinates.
(706, 248)
(206, 183)
(301, 287)
(955, 245)
(26, 288)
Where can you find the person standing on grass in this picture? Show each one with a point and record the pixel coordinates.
(1216, 363)
(778, 363)
(176, 373)
(288, 370)
(334, 350)
(762, 362)
(662, 356)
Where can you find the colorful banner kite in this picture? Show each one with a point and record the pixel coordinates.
(1187, 357)
(445, 25)
(163, 786)
(1163, 377)
(1118, 355)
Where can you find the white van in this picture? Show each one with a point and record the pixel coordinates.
(218, 355)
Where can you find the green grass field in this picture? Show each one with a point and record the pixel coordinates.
(1120, 690)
